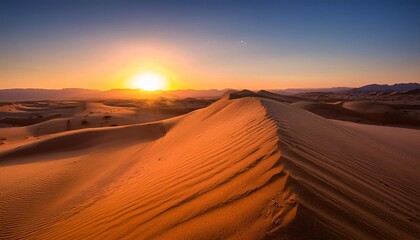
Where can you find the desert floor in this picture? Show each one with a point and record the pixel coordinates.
(247, 166)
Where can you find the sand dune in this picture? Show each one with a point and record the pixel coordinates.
(365, 112)
(265, 94)
(347, 107)
(76, 115)
(369, 107)
(248, 168)
(405, 141)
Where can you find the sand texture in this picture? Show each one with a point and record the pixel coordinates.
(246, 168)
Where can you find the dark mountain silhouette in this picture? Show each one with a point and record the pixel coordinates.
(386, 88)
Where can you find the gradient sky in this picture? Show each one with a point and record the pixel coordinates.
(197, 44)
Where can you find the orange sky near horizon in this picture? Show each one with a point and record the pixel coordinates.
(112, 65)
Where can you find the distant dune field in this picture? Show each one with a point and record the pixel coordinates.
(246, 168)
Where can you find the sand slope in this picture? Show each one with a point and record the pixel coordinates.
(366, 112)
(404, 141)
(247, 168)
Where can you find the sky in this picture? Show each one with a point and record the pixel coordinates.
(102, 44)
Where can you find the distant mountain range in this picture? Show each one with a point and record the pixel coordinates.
(13, 95)
(386, 88)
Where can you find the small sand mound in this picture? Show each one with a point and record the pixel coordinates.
(369, 107)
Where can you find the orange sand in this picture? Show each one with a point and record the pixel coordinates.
(247, 168)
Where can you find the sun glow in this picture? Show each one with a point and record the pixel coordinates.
(149, 81)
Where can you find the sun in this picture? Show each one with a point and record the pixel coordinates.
(149, 81)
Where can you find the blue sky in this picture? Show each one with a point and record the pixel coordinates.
(317, 43)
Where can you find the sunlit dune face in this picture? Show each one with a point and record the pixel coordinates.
(149, 81)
